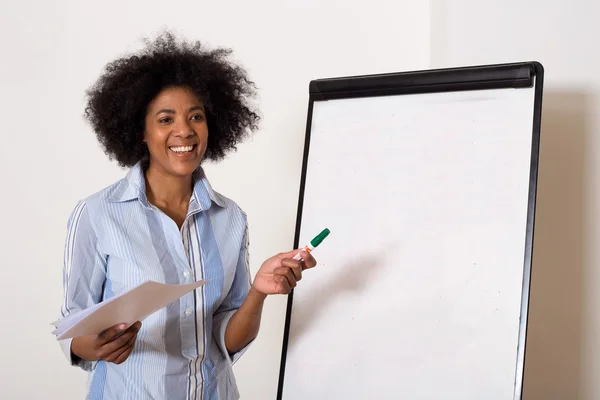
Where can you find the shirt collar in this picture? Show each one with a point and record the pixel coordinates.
(133, 186)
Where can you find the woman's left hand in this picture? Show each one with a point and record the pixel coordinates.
(280, 274)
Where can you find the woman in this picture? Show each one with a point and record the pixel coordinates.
(161, 112)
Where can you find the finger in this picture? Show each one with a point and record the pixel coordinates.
(283, 284)
(309, 260)
(289, 254)
(124, 356)
(122, 353)
(108, 348)
(287, 273)
(295, 265)
(106, 351)
(119, 351)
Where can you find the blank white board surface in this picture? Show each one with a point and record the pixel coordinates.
(422, 287)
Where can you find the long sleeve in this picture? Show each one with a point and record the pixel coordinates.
(234, 299)
(84, 272)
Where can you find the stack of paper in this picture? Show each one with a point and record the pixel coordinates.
(129, 307)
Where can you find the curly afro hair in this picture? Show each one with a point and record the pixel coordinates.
(118, 101)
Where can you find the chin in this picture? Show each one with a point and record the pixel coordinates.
(184, 169)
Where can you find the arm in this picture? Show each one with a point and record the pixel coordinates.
(245, 323)
(84, 272)
(277, 275)
(230, 339)
(84, 275)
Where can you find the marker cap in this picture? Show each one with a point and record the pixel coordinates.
(319, 238)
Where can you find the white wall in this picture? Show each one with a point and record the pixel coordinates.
(563, 353)
(52, 51)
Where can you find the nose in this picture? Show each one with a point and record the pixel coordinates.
(183, 128)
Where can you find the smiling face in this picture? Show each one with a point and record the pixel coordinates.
(176, 131)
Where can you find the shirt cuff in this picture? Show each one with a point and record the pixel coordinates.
(75, 361)
(220, 322)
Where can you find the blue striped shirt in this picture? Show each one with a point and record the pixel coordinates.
(116, 240)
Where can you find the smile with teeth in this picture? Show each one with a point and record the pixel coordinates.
(181, 149)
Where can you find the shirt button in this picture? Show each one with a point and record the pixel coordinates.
(188, 312)
(186, 274)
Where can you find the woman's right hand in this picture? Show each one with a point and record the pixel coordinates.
(113, 345)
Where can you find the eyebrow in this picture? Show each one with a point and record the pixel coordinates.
(169, 111)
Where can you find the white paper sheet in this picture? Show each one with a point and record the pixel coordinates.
(129, 307)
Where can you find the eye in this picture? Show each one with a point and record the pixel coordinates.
(197, 117)
(165, 120)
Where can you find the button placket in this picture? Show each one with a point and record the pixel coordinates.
(188, 305)
(188, 323)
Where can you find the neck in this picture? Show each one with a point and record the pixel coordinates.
(166, 190)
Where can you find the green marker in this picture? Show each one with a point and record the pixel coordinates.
(313, 243)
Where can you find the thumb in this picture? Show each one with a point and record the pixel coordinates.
(112, 332)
